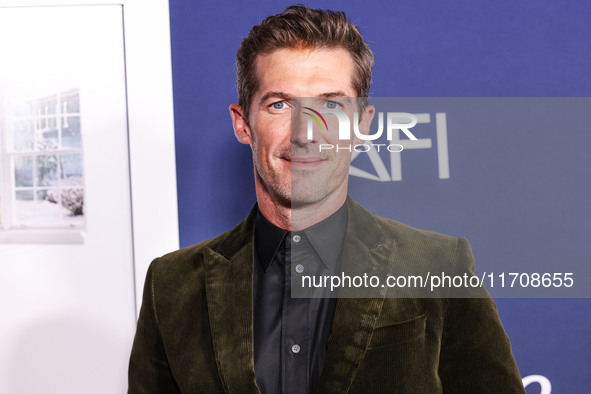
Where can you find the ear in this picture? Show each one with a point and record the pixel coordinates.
(241, 128)
(366, 118)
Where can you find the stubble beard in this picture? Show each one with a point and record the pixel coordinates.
(296, 188)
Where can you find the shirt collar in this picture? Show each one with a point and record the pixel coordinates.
(268, 239)
(326, 237)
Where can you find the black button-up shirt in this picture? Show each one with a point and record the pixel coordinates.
(291, 334)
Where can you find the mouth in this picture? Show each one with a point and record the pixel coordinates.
(305, 162)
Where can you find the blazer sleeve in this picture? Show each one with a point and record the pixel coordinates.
(149, 371)
(476, 353)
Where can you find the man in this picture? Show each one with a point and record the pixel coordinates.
(220, 317)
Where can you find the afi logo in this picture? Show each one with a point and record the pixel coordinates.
(545, 385)
(395, 174)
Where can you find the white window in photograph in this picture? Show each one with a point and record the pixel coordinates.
(43, 177)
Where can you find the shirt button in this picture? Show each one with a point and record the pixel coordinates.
(297, 238)
(299, 268)
(295, 348)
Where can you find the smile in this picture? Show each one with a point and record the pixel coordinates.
(305, 162)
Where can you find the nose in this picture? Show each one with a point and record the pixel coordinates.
(303, 129)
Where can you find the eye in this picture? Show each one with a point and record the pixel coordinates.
(279, 105)
(332, 104)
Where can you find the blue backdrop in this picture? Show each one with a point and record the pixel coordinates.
(527, 200)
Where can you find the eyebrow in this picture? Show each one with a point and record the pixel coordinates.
(281, 95)
(333, 94)
(285, 96)
(340, 94)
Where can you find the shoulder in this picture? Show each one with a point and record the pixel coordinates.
(409, 250)
(404, 233)
(189, 257)
(175, 282)
(442, 251)
(424, 242)
(179, 266)
(404, 236)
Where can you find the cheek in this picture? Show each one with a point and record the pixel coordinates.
(265, 148)
(344, 161)
(332, 134)
(272, 130)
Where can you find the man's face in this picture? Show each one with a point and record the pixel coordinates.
(288, 166)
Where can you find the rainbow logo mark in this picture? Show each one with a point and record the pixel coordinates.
(315, 118)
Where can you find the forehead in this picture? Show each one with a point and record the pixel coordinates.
(305, 72)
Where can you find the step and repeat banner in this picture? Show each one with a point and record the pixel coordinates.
(502, 125)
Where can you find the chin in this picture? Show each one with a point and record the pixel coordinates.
(306, 196)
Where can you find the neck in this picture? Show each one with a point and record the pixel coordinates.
(296, 218)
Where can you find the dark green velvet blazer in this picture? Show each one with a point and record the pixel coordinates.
(195, 330)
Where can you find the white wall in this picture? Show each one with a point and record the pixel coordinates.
(67, 311)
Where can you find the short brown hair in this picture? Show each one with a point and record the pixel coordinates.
(301, 27)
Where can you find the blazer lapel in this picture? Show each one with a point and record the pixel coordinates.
(228, 286)
(368, 251)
